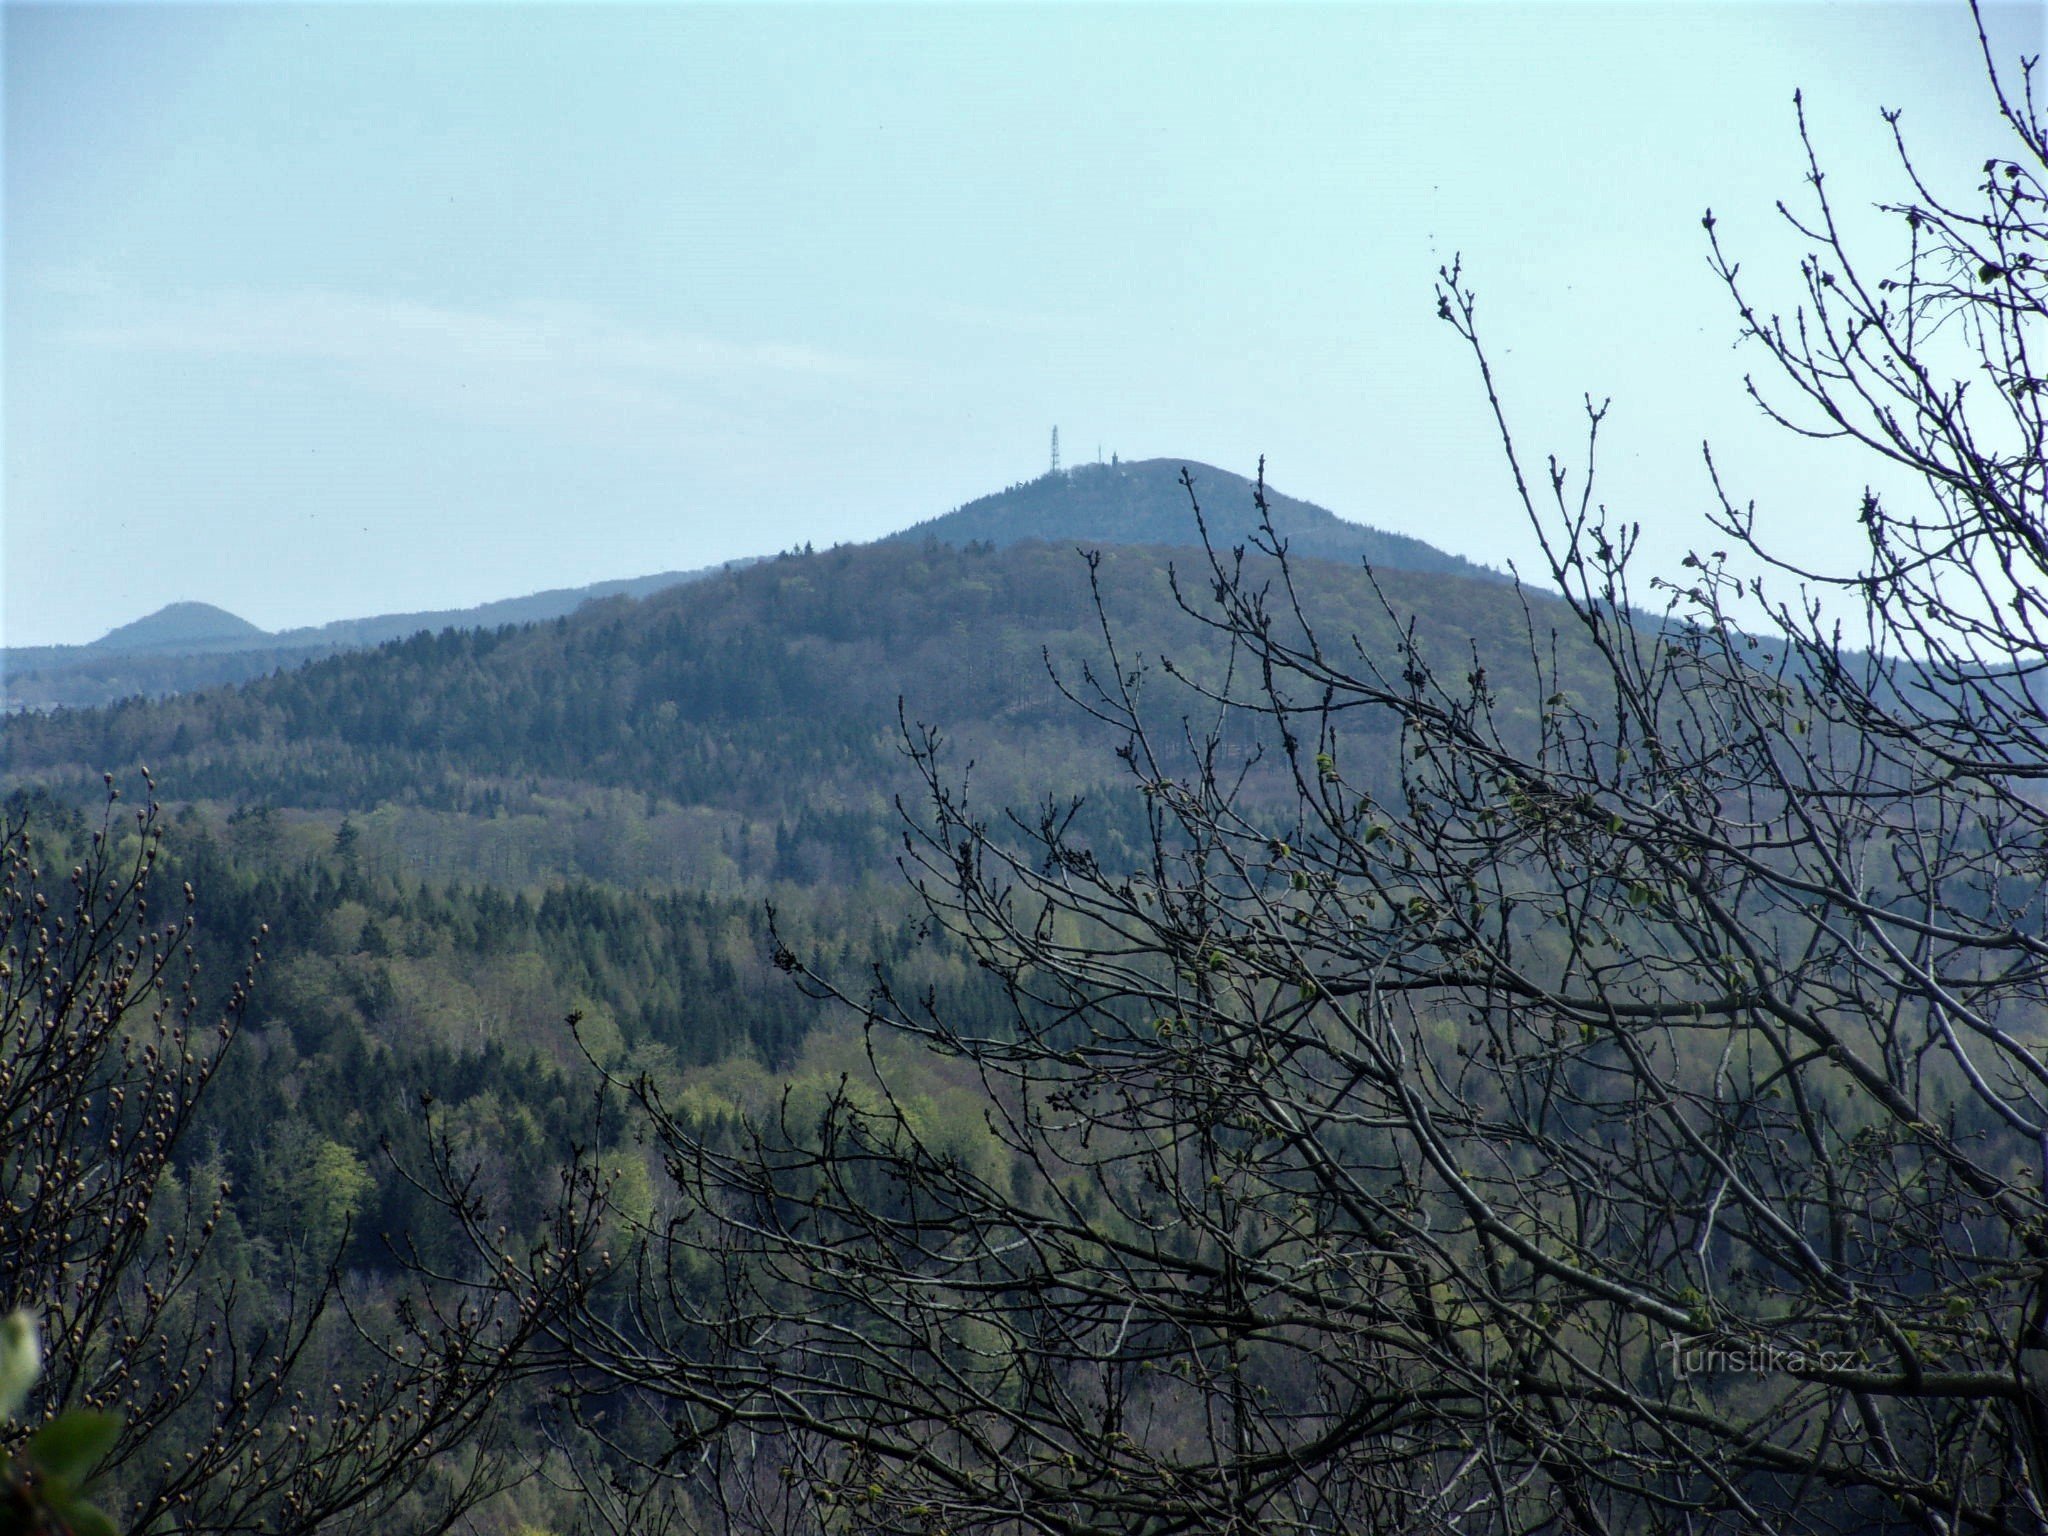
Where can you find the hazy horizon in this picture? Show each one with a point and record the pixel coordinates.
(317, 312)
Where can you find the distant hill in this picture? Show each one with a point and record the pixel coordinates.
(187, 646)
(1144, 502)
(185, 627)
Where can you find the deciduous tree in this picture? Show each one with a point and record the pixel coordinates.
(249, 1399)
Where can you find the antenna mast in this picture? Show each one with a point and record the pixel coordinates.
(1055, 451)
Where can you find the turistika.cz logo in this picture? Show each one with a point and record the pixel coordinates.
(1709, 1357)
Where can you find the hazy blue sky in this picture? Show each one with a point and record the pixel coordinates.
(314, 312)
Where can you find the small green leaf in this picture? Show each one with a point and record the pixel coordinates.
(69, 1446)
(82, 1519)
(21, 1360)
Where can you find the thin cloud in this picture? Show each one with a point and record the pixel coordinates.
(557, 362)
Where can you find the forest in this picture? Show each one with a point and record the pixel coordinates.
(1158, 1036)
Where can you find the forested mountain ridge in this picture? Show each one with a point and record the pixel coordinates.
(187, 646)
(682, 730)
(1144, 502)
(183, 646)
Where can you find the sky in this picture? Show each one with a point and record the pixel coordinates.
(320, 311)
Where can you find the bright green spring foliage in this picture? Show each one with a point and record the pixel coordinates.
(43, 1489)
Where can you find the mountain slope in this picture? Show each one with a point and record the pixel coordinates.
(185, 627)
(534, 608)
(187, 646)
(1144, 502)
(641, 740)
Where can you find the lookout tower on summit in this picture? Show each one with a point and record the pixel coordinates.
(1055, 452)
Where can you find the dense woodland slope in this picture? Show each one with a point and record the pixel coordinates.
(745, 727)
(458, 838)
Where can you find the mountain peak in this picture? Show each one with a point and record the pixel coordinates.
(188, 626)
(1143, 502)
